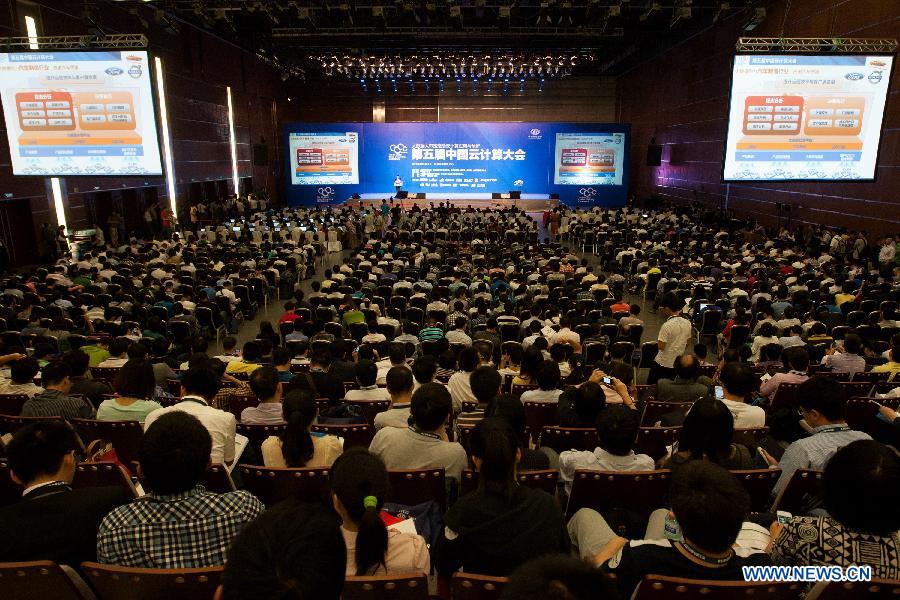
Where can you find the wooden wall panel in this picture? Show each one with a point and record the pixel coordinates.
(681, 98)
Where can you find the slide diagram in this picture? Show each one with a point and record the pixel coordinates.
(324, 158)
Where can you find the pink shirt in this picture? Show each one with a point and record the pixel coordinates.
(406, 553)
(768, 388)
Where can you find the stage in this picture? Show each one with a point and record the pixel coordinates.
(527, 202)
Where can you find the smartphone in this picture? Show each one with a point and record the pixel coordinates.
(607, 380)
(720, 392)
(783, 517)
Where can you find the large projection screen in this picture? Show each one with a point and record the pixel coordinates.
(79, 113)
(805, 118)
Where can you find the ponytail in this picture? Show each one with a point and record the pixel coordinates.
(359, 480)
(372, 538)
(495, 443)
(298, 410)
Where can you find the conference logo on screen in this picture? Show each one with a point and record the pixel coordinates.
(114, 71)
(397, 152)
(325, 195)
(586, 194)
(135, 72)
(534, 134)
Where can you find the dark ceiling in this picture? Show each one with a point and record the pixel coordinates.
(609, 34)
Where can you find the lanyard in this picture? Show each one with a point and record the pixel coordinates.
(707, 559)
(427, 434)
(834, 429)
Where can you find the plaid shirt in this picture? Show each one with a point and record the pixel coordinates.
(193, 529)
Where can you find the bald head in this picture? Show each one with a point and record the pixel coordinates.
(687, 366)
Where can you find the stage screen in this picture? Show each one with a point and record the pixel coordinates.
(807, 118)
(79, 113)
(588, 159)
(324, 158)
(457, 160)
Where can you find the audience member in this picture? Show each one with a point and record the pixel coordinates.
(296, 446)
(135, 386)
(178, 525)
(54, 399)
(266, 387)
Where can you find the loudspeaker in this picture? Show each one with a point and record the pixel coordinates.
(401, 195)
(260, 155)
(654, 155)
(515, 195)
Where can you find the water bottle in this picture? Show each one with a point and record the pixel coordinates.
(672, 529)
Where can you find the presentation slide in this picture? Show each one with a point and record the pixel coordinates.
(797, 117)
(79, 113)
(324, 158)
(588, 159)
(582, 163)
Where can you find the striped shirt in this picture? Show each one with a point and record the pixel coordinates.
(54, 403)
(431, 334)
(815, 451)
(190, 530)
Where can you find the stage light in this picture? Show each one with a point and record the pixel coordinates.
(31, 30)
(232, 142)
(167, 143)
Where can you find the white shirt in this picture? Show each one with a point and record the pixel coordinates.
(370, 393)
(676, 333)
(541, 396)
(565, 336)
(599, 460)
(460, 390)
(745, 415)
(220, 424)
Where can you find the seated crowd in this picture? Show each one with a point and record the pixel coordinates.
(454, 340)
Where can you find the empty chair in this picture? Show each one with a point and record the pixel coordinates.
(272, 485)
(398, 586)
(639, 491)
(38, 580)
(415, 486)
(126, 583)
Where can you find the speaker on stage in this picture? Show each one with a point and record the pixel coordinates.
(355, 196)
(654, 154)
(401, 195)
(515, 195)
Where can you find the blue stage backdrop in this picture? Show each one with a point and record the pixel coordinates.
(585, 163)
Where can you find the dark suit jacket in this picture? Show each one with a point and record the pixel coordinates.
(680, 390)
(57, 523)
(90, 389)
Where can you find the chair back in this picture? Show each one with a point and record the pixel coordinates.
(785, 396)
(468, 586)
(803, 492)
(370, 408)
(257, 434)
(399, 586)
(125, 436)
(415, 486)
(238, 402)
(217, 479)
(759, 483)
(656, 587)
(12, 423)
(653, 441)
(858, 590)
(127, 583)
(272, 485)
(569, 438)
(750, 436)
(105, 373)
(640, 491)
(654, 411)
(354, 435)
(856, 388)
(101, 474)
(518, 389)
(37, 580)
(11, 404)
(870, 377)
(539, 415)
(540, 480)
